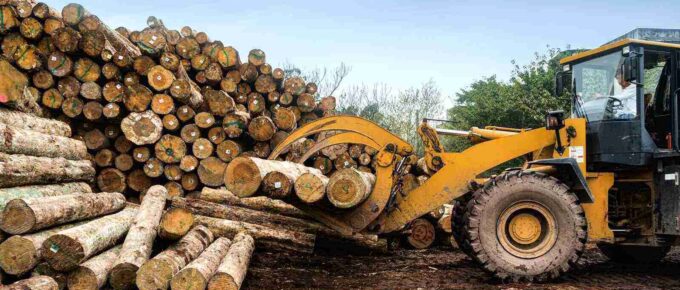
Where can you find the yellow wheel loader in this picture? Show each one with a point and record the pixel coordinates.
(607, 174)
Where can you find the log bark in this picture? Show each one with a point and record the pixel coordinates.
(197, 274)
(244, 175)
(175, 223)
(142, 128)
(236, 213)
(268, 238)
(157, 272)
(349, 187)
(34, 123)
(34, 191)
(194, 98)
(35, 283)
(260, 203)
(311, 187)
(139, 240)
(93, 273)
(20, 254)
(65, 250)
(232, 271)
(22, 141)
(26, 215)
(19, 170)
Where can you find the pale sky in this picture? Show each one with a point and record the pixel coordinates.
(399, 43)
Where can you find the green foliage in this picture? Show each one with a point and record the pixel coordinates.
(520, 102)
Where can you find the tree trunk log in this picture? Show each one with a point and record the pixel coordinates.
(142, 128)
(31, 214)
(421, 234)
(244, 175)
(175, 223)
(35, 283)
(232, 271)
(67, 249)
(197, 274)
(211, 171)
(349, 187)
(260, 203)
(44, 269)
(311, 187)
(274, 239)
(20, 254)
(21, 141)
(18, 170)
(31, 122)
(194, 99)
(139, 240)
(33, 191)
(241, 214)
(13, 92)
(157, 272)
(261, 128)
(93, 273)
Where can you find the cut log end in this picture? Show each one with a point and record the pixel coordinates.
(422, 234)
(311, 188)
(154, 274)
(62, 252)
(188, 279)
(18, 217)
(18, 255)
(123, 276)
(243, 177)
(349, 187)
(222, 281)
(175, 223)
(83, 279)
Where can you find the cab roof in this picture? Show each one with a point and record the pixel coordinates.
(614, 45)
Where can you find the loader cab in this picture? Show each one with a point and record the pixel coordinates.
(628, 93)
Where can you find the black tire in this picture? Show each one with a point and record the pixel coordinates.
(634, 254)
(557, 255)
(458, 226)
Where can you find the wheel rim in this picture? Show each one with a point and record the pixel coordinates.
(527, 229)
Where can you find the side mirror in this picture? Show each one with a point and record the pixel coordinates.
(630, 67)
(563, 83)
(554, 120)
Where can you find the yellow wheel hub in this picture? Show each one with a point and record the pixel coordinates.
(527, 229)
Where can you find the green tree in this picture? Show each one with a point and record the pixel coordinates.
(521, 102)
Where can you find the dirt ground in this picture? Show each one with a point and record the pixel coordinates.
(442, 268)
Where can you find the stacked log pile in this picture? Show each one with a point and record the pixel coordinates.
(156, 106)
(115, 247)
(86, 108)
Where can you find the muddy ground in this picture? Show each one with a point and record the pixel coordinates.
(442, 268)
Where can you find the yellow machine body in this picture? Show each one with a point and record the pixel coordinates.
(454, 171)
